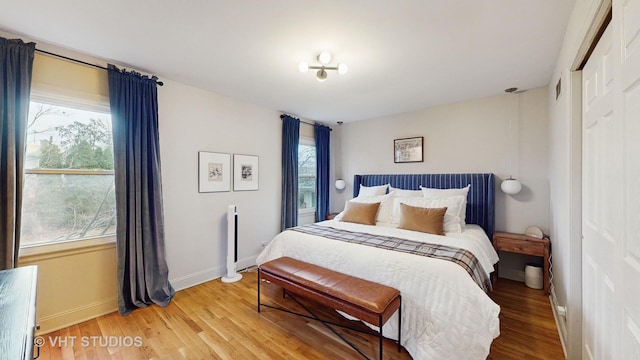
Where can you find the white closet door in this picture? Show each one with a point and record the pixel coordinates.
(611, 190)
(627, 16)
(602, 202)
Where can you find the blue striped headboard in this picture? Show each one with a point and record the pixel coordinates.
(480, 201)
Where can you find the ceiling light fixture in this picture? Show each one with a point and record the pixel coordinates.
(324, 58)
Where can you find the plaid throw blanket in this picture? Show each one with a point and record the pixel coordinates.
(463, 258)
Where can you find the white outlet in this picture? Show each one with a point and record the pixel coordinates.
(561, 310)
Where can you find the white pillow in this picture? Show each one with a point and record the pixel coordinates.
(452, 203)
(372, 190)
(384, 211)
(406, 193)
(431, 193)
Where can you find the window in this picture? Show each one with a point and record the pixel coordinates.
(306, 174)
(69, 182)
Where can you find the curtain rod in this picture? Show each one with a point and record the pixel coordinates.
(160, 83)
(302, 121)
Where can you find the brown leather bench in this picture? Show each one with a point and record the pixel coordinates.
(363, 299)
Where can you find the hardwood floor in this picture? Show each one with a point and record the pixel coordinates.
(527, 327)
(219, 321)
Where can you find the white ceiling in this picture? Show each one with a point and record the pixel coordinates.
(403, 55)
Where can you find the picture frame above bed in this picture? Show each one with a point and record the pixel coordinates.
(408, 150)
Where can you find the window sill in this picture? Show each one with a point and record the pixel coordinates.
(306, 211)
(45, 251)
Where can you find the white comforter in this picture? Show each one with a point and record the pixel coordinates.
(445, 314)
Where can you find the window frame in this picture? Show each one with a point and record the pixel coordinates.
(308, 141)
(72, 244)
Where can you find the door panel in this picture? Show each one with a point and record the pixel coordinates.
(602, 202)
(611, 190)
(608, 321)
(589, 321)
(629, 14)
(631, 339)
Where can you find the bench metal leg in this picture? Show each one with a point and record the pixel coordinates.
(380, 334)
(258, 289)
(400, 325)
(328, 323)
(399, 329)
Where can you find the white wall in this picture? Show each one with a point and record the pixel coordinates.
(465, 137)
(193, 120)
(565, 176)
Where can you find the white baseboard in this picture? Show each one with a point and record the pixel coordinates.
(77, 315)
(196, 278)
(209, 274)
(560, 321)
(247, 262)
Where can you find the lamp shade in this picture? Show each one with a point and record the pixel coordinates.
(342, 69)
(324, 57)
(511, 186)
(340, 184)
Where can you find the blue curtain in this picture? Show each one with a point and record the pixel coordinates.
(322, 136)
(142, 266)
(16, 65)
(290, 142)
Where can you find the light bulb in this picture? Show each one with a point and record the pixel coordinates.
(324, 58)
(342, 69)
(303, 67)
(340, 184)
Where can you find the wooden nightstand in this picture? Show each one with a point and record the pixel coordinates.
(522, 244)
(331, 216)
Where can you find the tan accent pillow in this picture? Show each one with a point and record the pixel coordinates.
(360, 213)
(427, 220)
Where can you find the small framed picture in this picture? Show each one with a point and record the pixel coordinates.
(245, 172)
(214, 172)
(408, 150)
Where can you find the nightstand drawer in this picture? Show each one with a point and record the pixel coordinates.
(519, 246)
(331, 216)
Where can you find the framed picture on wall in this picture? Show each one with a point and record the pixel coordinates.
(214, 172)
(245, 172)
(408, 150)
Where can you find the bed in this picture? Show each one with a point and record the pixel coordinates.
(446, 312)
